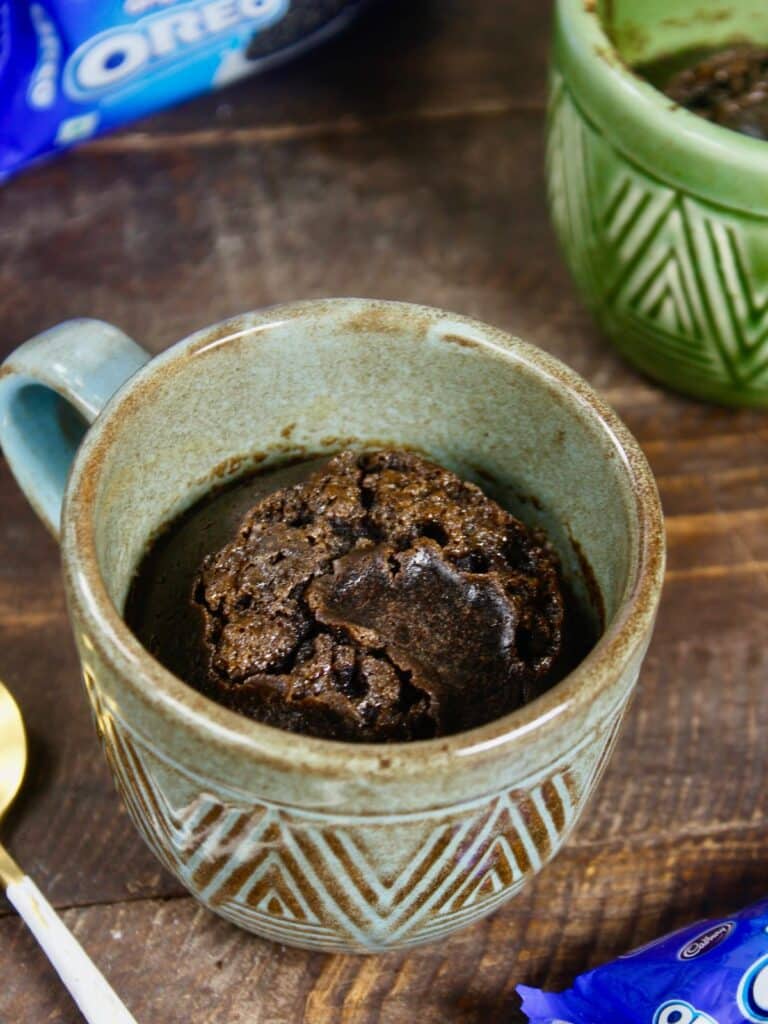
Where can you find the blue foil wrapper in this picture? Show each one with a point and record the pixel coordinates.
(713, 972)
(72, 69)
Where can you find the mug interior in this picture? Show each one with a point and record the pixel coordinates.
(317, 378)
(649, 30)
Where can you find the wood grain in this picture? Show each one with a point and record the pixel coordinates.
(402, 160)
(160, 242)
(176, 963)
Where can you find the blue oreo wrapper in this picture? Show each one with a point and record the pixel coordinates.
(713, 972)
(72, 69)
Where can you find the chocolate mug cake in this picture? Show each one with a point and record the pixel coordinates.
(728, 87)
(373, 597)
(233, 807)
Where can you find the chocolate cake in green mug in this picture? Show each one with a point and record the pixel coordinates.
(662, 214)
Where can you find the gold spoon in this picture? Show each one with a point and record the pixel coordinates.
(89, 988)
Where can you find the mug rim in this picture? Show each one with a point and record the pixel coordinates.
(666, 139)
(626, 634)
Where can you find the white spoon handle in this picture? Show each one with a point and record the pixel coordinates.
(88, 987)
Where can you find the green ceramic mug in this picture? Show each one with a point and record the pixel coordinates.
(311, 842)
(663, 216)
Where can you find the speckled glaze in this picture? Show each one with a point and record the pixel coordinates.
(311, 842)
(662, 216)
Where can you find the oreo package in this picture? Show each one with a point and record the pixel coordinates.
(713, 972)
(72, 69)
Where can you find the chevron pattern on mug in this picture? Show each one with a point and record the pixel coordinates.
(339, 882)
(679, 283)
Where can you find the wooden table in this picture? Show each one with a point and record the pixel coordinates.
(403, 160)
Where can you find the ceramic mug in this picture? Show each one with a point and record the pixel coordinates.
(662, 215)
(311, 842)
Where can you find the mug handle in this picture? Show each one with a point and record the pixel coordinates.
(51, 389)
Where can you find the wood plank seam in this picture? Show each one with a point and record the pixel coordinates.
(204, 139)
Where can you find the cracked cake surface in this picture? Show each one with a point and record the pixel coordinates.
(379, 599)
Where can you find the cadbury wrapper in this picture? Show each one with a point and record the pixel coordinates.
(713, 972)
(72, 69)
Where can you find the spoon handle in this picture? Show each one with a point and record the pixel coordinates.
(96, 998)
